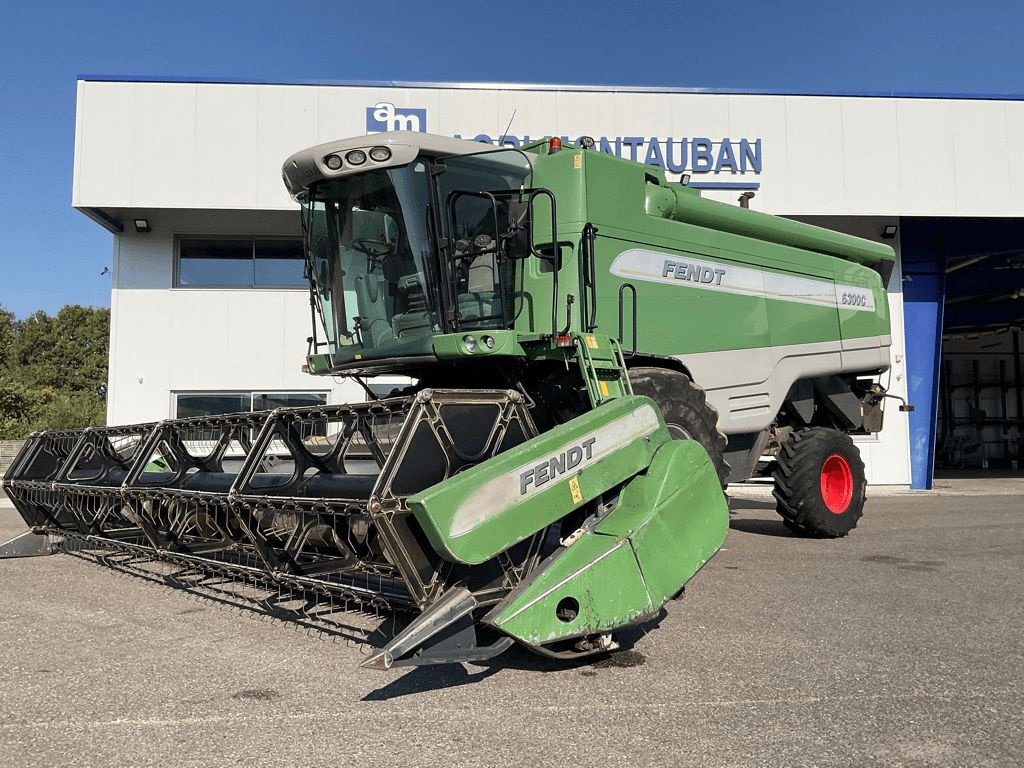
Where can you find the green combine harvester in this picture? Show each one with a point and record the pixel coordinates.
(594, 353)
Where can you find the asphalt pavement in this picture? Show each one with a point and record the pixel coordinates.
(901, 645)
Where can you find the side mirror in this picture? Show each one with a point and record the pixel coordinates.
(519, 237)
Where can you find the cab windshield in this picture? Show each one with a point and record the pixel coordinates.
(371, 266)
(381, 284)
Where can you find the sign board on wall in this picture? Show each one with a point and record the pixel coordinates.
(712, 162)
(221, 144)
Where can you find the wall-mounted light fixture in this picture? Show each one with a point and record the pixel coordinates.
(889, 231)
(684, 179)
(142, 225)
(745, 199)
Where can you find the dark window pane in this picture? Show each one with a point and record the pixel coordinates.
(384, 390)
(269, 401)
(209, 404)
(215, 263)
(279, 263)
(307, 429)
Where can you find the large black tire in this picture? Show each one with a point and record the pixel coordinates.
(819, 483)
(685, 409)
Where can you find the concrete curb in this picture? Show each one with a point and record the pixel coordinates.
(979, 486)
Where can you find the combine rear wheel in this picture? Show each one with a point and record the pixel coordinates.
(686, 411)
(819, 483)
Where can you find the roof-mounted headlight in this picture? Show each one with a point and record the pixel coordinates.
(356, 157)
(333, 162)
(380, 154)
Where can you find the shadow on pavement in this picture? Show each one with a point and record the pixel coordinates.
(739, 504)
(422, 679)
(758, 526)
(433, 678)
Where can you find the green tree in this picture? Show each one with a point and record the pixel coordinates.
(69, 410)
(53, 370)
(18, 405)
(8, 331)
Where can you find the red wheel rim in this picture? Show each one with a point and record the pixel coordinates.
(836, 484)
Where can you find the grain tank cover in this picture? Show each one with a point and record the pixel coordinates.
(683, 204)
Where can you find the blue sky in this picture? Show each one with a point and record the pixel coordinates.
(51, 255)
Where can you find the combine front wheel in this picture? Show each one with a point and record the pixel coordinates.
(686, 411)
(819, 483)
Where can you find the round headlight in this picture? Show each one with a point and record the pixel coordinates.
(470, 343)
(356, 157)
(489, 342)
(380, 154)
(333, 162)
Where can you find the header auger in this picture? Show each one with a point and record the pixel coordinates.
(581, 337)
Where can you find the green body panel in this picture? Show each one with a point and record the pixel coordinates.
(600, 572)
(668, 523)
(675, 321)
(634, 207)
(862, 324)
(675, 515)
(452, 346)
(478, 513)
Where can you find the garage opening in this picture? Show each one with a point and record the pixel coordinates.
(972, 271)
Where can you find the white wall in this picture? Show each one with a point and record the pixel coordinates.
(192, 145)
(166, 339)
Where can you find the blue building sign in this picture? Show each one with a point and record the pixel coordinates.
(384, 116)
(726, 163)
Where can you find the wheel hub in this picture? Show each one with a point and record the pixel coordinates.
(836, 484)
(678, 432)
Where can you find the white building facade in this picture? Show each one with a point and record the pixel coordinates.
(209, 310)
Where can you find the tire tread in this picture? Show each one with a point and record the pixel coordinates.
(675, 391)
(797, 477)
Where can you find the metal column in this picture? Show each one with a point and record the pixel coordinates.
(922, 251)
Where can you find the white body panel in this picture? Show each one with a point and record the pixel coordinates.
(748, 386)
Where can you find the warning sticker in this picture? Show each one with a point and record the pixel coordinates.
(574, 489)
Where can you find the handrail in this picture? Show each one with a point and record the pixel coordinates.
(632, 289)
(556, 251)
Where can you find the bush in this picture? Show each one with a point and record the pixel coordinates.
(53, 370)
(18, 404)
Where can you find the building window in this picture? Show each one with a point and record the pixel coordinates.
(215, 403)
(211, 403)
(388, 386)
(240, 263)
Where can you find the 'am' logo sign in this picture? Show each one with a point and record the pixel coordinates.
(384, 116)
